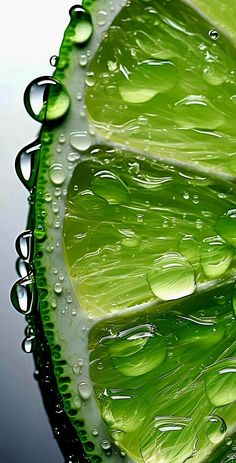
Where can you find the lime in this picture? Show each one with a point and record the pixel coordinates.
(133, 218)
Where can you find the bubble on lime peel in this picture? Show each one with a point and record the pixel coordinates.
(226, 226)
(171, 277)
(57, 174)
(216, 256)
(84, 26)
(220, 382)
(46, 99)
(110, 187)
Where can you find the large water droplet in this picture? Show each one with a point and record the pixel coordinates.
(216, 257)
(220, 382)
(22, 268)
(108, 186)
(46, 100)
(215, 429)
(226, 226)
(80, 140)
(24, 296)
(84, 27)
(138, 350)
(171, 277)
(27, 162)
(24, 245)
(57, 174)
(215, 74)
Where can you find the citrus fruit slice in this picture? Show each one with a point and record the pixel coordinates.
(130, 252)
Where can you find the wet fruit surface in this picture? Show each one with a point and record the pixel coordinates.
(129, 252)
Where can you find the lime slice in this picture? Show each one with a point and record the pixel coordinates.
(134, 229)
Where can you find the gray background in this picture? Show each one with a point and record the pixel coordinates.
(30, 32)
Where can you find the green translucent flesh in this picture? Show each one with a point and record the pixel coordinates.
(182, 406)
(133, 246)
(137, 231)
(172, 91)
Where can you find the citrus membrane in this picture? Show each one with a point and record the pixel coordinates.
(132, 256)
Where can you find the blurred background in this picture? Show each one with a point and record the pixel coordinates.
(30, 32)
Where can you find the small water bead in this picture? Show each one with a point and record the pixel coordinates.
(24, 245)
(58, 288)
(228, 441)
(48, 197)
(213, 34)
(84, 27)
(140, 218)
(215, 74)
(74, 312)
(27, 162)
(171, 277)
(102, 17)
(112, 65)
(62, 138)
(24, 296)
(109, 187)
(57, 174)
(226, 226)
(80, 140)
(215, 429)
(95, 432)
(90, 79)
(220, 382)
(46, 99)
(57, 192)
(84, 389)
(83, 60)
(106, 445)
(53, 60)
(28, 344)
(73, 157)
(53, 304)
(55, 207)
(216, 257)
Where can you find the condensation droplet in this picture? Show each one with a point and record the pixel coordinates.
(213, 34)
(58, 288)
(80, 140)
(84, 390)
(57, 174)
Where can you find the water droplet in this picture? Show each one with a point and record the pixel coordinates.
(213, 34)
(140, 218)
(90, 79)
(73, 157)
(95, 432)
(53, 60)
(39, 233)
(220, 382)
(112, 66)
(102, 18)
(24, 296)
(105, 444)
(171, 277)
(83, 60)
(215, 429)
(22, 268)
(24, 245)
(118, 436)
(58, 288)
(228, 441)
(74, 312)
(84, 390)
(48, 197)
(28, 344)
(46, 99)
(216, 257)
(108, 186)
(80, 140)
(215, 74)
(57, 174)
(230, 459)
(226, 226)
(27, 163)
(84, 27)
